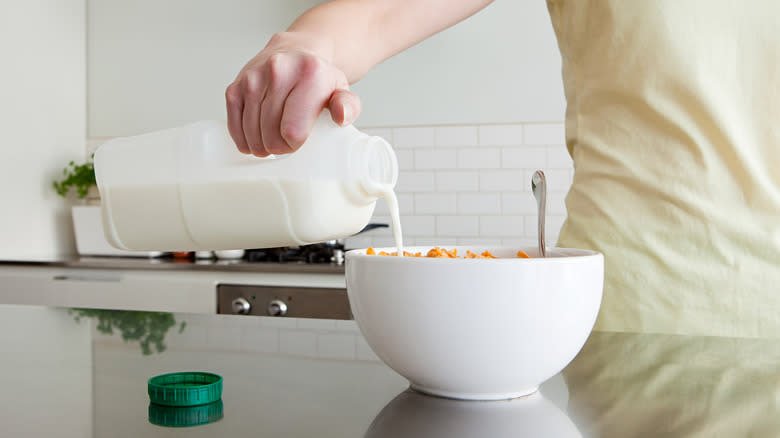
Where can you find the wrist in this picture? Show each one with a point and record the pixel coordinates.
(305, 42)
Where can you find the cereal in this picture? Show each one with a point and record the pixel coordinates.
(438, 252)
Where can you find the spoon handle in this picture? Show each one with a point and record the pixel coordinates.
(539, 188)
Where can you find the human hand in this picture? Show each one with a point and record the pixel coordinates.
(276, 98)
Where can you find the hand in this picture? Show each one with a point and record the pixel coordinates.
(278, 95)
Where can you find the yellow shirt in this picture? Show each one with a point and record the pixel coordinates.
(673, 124)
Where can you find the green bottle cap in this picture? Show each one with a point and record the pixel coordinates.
(191, 388)
(185, 416)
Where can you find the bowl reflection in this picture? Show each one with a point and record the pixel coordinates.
(412, 414)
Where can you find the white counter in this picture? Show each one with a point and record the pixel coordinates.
(152, 288)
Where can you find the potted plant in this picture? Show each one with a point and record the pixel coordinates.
(81, 178)
(87, 219)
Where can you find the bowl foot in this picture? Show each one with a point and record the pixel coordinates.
(476, 396)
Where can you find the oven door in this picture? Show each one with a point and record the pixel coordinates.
(283, 301)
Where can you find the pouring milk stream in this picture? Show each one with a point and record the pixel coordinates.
(190, 189)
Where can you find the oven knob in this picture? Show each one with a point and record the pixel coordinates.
(277, 308)
(241, 306)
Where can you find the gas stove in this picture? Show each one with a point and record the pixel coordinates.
(290, 301)
(327, 252)
(298, 302)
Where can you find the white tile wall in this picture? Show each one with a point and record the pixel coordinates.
(465, 184)
(501, 135)
(544, 133)
(447, 136)
(479, 158)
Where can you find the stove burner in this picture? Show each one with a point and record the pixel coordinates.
(326, 252)
(329, 252)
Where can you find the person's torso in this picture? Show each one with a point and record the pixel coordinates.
(672, 122)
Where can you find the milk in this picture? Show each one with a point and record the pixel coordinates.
(262, 213)
(145, 216)
(189, 189)
(395, 219)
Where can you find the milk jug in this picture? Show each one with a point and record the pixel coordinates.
(190, 189)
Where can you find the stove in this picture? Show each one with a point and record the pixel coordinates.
(326, 252)
(285, 301)
(318, 253)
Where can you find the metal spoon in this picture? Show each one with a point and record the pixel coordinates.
(539, 188)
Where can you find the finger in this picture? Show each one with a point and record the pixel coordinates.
(306, 101)
(344, 106)
(235, 109)
(303, 106)
(282, 75)
(254, 89)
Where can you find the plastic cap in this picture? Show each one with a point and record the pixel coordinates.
(189, 388)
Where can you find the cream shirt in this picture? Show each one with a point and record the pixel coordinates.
(673, 124)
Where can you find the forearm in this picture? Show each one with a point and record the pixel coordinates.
(356, 35)
(275, 99)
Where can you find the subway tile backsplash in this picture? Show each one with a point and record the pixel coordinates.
(470, 184)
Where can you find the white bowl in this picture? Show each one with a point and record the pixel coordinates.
(476, 329)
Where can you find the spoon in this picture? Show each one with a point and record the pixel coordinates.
(539, 188)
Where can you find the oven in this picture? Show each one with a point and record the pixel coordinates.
(283, 301)
(291, 301)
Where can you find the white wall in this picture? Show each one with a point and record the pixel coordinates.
(157, 64)
(43, 120)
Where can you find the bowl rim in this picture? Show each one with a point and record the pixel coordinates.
(560, 254)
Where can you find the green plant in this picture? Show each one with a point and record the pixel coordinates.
(77, 176)
(148, 328)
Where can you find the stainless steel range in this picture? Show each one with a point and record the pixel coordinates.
(287, 301)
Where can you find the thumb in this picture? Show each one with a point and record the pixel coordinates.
(344, 106)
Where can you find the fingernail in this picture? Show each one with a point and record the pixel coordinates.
(347, 115)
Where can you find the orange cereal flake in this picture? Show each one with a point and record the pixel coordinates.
(439, 252)
(372, 251)
(484, 255)
(443, 253)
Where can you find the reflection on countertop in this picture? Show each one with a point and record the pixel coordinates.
(638, 385)
(415, 415)
(310, 378)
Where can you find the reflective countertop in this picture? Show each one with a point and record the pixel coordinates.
(83, 373)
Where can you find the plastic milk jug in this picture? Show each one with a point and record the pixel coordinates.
(190, 189)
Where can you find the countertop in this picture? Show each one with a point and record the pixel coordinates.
(150, 284)
(67, 378)
(171, 264)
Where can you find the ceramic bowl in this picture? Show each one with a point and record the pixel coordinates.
(476, 329)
